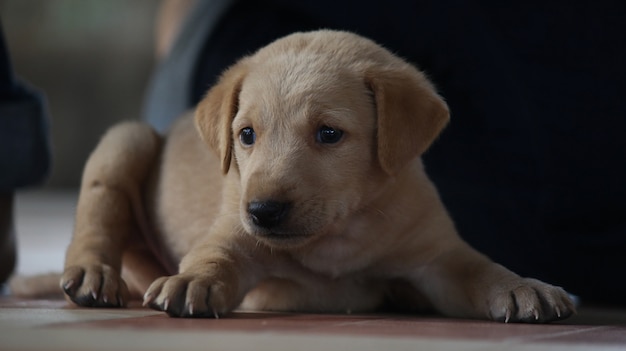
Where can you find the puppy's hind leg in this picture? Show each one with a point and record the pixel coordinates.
(106, 215)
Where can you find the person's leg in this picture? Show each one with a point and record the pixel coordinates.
(7, 237)
(24, 150)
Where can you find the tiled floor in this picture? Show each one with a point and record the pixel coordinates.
(44, 224)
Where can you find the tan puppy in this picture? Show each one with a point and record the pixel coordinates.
(313, 199)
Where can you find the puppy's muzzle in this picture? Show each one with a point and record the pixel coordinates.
(268, 214)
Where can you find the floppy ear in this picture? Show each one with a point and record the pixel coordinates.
(409, 111)
(215, 113)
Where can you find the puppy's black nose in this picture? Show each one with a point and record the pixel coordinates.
(268, 214)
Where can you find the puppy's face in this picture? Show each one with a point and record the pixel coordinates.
(305, 147)
(314, 125)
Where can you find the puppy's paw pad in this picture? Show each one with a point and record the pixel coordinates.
(94, 286)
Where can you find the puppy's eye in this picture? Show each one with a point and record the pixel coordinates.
(247, 136)
(328, 135)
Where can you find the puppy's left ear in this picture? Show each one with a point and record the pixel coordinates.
(215, 113)
(410, 113)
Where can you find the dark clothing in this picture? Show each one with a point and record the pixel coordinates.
(533, 164)
(24, 149)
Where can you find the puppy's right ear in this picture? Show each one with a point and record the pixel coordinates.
(215, 113)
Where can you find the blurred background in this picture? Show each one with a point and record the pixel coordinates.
(91, 58)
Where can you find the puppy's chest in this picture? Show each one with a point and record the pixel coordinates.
(336, 256)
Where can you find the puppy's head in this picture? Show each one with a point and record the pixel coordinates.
(314, 125)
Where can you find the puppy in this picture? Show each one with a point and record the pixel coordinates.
(314, 198)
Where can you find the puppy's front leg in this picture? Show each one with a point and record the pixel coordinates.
(213, 280)
(463, 283)
(106, 216)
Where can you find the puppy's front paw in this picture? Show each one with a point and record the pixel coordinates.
(190, 295)
(94, 286)
(529, 300)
